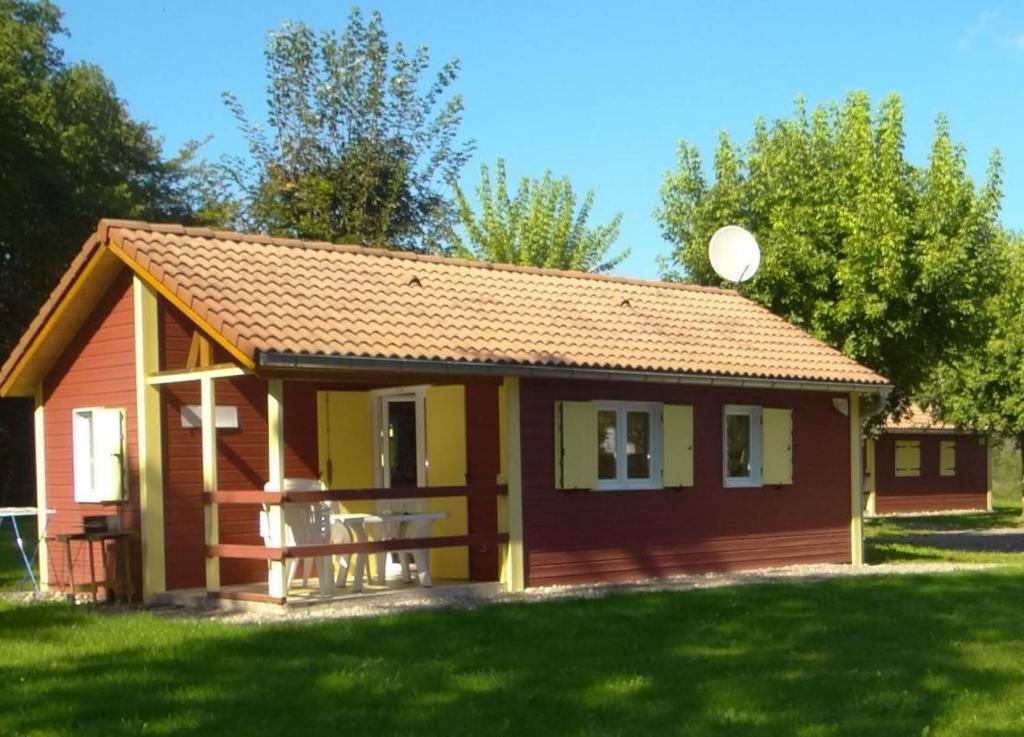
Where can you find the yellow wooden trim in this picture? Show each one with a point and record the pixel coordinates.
(515, 554)
(777, 446)
(43, 336)
(445, 434)
(41, 516)
(199, 352)
(175, 300)
(575, 445)
(219, 371)
(856, 485)
(869, 477)
(989, 441)
(677, 445)
(208, 413)
(150, 442)
(277, 583)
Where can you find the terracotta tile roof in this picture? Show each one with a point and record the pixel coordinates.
(287, 296)
(916, 418)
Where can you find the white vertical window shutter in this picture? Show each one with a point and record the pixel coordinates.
(108, 459)
(82, 440)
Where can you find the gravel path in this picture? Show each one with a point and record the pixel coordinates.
(474, 596)
(996, 540)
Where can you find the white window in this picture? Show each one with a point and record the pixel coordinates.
(98, 440)
(742, 446)
(628, 445)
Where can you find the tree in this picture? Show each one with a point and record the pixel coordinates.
(69, 155)
(983, 388)
(540, 226)
(359, 150)
(885, 260)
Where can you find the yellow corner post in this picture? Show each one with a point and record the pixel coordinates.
(208, 413)
(856, 485)
(151, 476)
(277, 584)
(514, 563)
(41, 516)
(870, 479)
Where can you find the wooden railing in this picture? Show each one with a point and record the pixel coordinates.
(261, 552)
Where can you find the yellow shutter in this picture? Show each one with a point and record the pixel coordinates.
(908, 458)
(575, 445)
(445, 424)
(777, 448)
(677, 445)
(345, 440)
(947, 458)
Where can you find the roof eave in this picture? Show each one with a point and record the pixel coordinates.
(293, 361)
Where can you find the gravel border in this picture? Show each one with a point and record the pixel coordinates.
(474, 596)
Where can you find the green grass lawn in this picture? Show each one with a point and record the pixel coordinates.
(902, 655)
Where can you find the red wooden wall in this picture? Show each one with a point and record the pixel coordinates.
(573, 536)
(97, 370)
(931, 492)
(242, 461)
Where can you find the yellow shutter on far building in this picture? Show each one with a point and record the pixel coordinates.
(575, 445)
(908, 458)
(445, 424)
(947, 458)
(777, 439)
(677, 445)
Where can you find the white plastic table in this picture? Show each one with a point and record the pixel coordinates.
(400, 525)
(12, 513)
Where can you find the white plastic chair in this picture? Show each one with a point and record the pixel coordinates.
(304, 524)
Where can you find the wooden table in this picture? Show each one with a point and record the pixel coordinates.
(120, 583)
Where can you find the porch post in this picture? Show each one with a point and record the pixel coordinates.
(150, 442)
(208, 413)
(989, 439)
(41, 516)
(515, 556)
(870, 479)
(856, 485)
(277, 584)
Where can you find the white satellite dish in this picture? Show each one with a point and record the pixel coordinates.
(734, 254)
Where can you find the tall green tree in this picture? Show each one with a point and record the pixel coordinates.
(982, 388)
(539, 226)
(69, 154)
(356, 146)
(886, 260)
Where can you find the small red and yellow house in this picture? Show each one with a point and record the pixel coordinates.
(921, 464)
(567, 427)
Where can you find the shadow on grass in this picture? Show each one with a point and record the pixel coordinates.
(849, 656)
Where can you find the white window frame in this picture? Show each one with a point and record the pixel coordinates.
(84, 449)
(622, 482)
(754, 412)
(381, 399)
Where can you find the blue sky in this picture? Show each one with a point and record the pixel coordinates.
(600, 91)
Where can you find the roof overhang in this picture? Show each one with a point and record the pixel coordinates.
(292, 361)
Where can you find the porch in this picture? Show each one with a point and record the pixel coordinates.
(385, 452)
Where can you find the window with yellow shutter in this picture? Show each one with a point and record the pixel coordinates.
(947, 458)
(908, 458)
